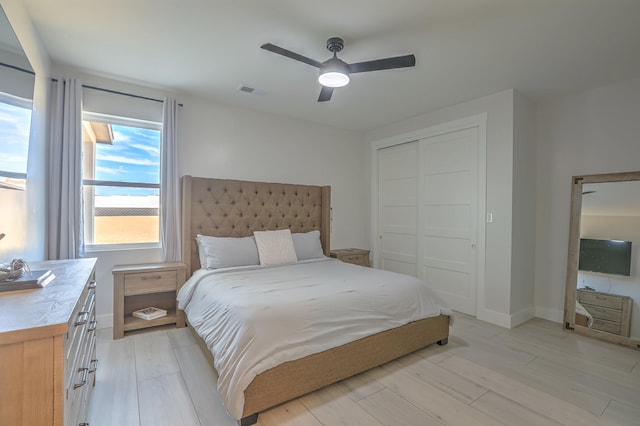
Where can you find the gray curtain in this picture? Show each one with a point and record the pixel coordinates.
(64, 203)
(170, 183)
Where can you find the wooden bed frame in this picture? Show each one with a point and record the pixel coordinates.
(232, 208)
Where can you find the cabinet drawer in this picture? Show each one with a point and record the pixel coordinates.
(608, 314)
(81, 321)
(600, 299)
(149, 282)
(603, 325)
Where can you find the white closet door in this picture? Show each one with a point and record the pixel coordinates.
(398, 208)
(448, 211)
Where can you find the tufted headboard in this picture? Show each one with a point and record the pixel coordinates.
(235, 208)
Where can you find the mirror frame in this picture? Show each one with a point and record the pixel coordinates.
(574, 252)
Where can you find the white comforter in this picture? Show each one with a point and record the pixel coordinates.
(254, 318)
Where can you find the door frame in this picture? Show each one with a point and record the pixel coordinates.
(480, 122)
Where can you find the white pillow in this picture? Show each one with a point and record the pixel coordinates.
(308, 245)
(275, 247)
(223, 252)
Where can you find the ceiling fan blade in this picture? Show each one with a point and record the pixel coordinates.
(325, 94)
(383, 64)
(289, 54)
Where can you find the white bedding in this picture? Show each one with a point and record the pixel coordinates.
(255, 318)
(582, 311)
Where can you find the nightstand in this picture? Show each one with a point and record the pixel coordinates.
(352, 255)
(143, 285)
(610, 312)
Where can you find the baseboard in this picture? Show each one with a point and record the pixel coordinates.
(555, 315)
(506, 320)
(522, 316)
(105, 321)
(494, 317)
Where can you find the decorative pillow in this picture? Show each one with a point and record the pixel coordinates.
(308, 245)
(223, 252)
(275, 247)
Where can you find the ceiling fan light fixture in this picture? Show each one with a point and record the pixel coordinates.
(333, 79)
(334, 73)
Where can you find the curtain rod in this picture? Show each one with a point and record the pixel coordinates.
(86, 86)
(17, 68)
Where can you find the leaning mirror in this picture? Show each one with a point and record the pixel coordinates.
(602, 297)
(16, 94)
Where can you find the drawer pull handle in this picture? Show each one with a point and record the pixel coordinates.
(155, 277)
(93, 366)
(81, 320)
(85, 372)
(601, 298)
(93, 325)
(92, 285)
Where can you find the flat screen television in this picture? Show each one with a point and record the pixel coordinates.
(605, 256)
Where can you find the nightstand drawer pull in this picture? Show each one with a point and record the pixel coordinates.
(85, 372)
(83, 317)
(155, 277)
(93, 325)
(93, 366)
(92, 284)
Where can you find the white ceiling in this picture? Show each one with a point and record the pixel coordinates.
(464, 49)
(611, 199)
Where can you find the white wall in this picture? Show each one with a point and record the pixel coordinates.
(626, 228)
(586, 133)
(524, 209)
(236, 143)
(499, 107)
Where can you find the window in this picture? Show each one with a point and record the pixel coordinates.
(121, 181)
(15, 124)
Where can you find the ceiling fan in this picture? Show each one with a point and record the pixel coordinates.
(334, 72)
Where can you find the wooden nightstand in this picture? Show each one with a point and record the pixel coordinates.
(143, 285)
(610, 312)
(352, 255)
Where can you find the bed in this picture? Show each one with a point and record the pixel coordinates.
(231, 208)
(583, 317)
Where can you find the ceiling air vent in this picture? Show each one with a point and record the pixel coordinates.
(247, 89)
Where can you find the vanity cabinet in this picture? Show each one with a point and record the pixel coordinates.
(610, 312)
(48, 347)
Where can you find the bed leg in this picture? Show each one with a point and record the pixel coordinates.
(249, 420)
(443, 342)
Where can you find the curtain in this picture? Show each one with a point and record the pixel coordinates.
(64, 226)
(169, 183)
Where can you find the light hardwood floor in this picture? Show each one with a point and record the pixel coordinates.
(535, 374)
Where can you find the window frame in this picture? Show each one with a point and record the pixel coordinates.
(25, 103)
(129, 122)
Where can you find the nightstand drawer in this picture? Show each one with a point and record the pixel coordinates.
(600, 312)
(357, 259)
(352, 255)
(600, 299)
(602, 325)
(149, 282)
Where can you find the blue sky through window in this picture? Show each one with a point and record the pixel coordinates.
(15, 124)
(134, 156)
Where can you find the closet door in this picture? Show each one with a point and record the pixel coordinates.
(398, 208)
(448, 212)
